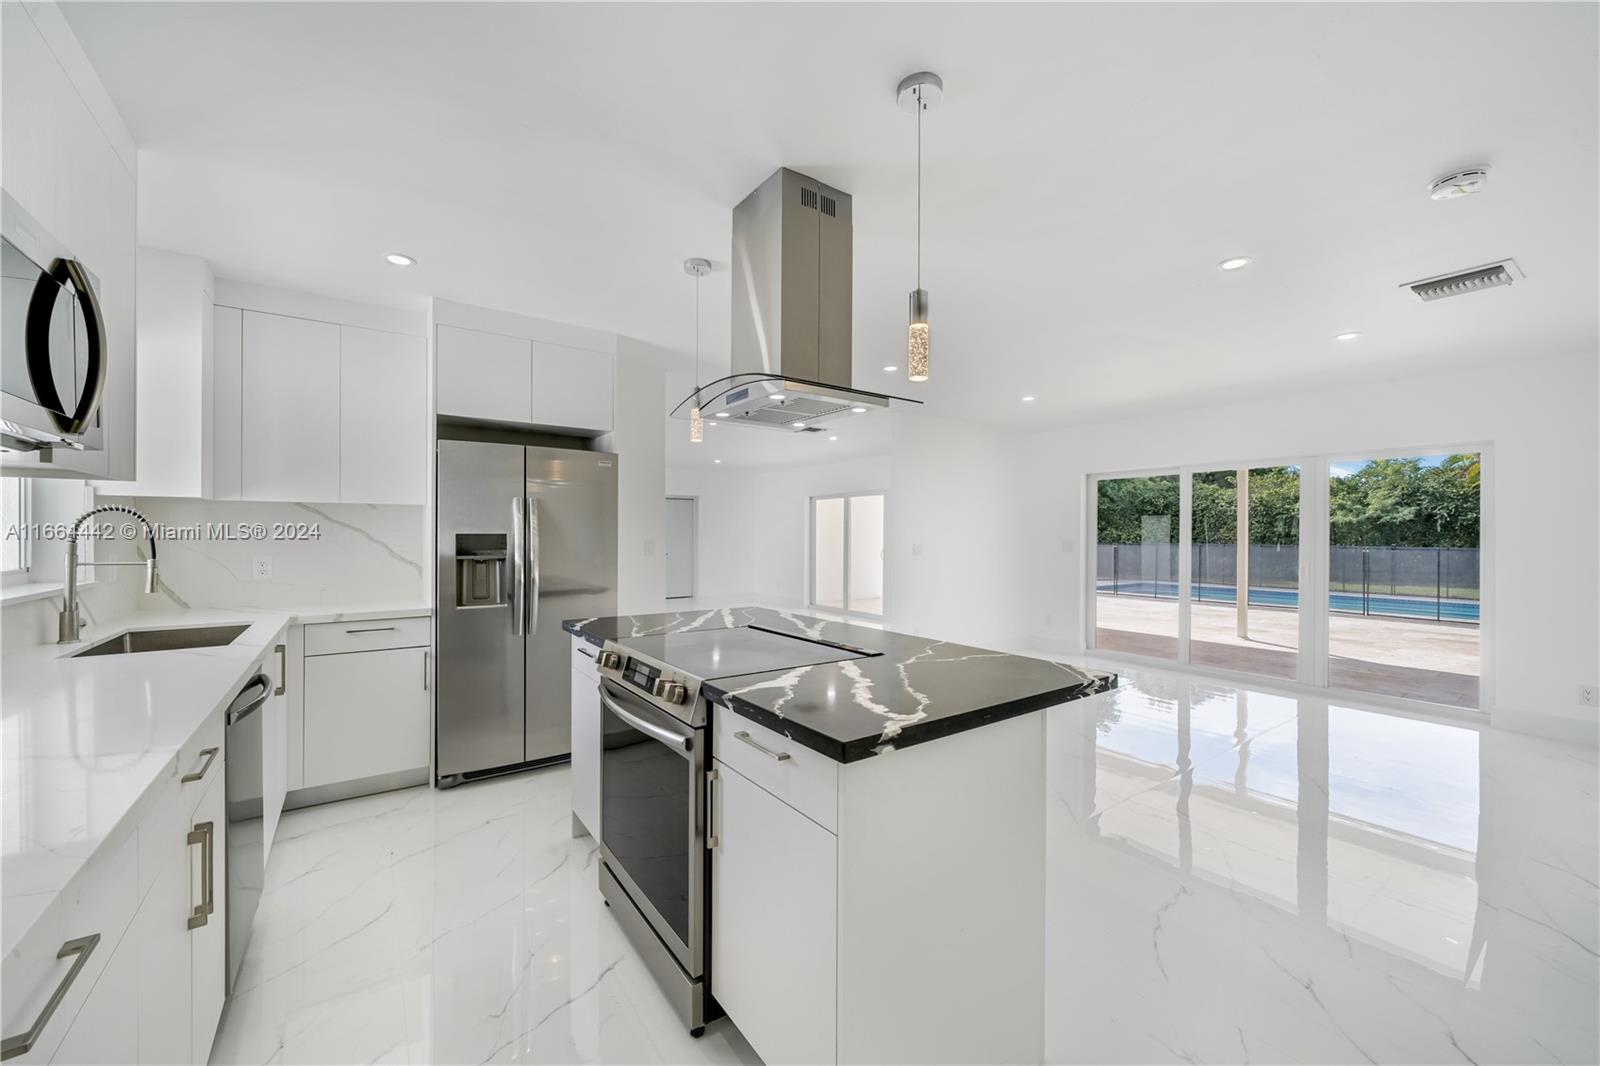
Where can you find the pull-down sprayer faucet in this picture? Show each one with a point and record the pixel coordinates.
(71, 627)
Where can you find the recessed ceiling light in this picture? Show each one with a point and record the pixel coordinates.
(1234, 263)
(798, 425)
(720, 414)
(1027, 399)
(1349, 335)
(890, 369)
(716, 460)
(833, 438)
(777, 396)
(859, 410)
(400, 260)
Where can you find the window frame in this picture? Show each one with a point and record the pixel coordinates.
(22, 574)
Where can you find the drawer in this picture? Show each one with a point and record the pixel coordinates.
(807, 780)
(200, 760)
(583, 654)
(101, 900)
(374, 634)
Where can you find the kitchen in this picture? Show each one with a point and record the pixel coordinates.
(504, 570)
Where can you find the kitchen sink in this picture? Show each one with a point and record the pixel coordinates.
(164, 640)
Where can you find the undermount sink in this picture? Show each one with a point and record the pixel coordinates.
(164, 640)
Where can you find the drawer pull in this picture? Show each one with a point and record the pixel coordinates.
(22, 1043)
(586, 653)
(211, 757)
(202, 835)
(711, 810)
(283, 669)
(373, 629)
(776, 756)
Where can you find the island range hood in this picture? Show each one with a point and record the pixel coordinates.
(790, 339)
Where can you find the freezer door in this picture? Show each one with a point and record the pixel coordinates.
(479, 674)
(572, 573)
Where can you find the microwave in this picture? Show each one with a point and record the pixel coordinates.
(52, 340)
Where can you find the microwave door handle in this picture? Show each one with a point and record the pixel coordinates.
(533, 563)
(517, 559)
(95, 328)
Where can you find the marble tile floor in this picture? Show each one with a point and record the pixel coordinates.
(1232, 876)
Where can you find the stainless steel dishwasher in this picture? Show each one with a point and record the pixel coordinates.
(246, 856)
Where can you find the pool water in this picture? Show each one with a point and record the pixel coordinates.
(1449, 610)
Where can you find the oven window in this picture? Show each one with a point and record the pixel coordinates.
(644, 816)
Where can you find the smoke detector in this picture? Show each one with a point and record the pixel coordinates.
(1455, 186)
(1488, 276)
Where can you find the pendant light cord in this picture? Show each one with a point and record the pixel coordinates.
(697, 340)
(919, 188)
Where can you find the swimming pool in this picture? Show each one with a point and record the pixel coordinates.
(1345, 602)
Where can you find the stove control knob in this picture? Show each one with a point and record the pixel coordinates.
(675, 693)
(609, 660)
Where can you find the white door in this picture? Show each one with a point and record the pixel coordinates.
(680, 546)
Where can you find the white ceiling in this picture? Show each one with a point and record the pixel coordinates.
(1090, 166)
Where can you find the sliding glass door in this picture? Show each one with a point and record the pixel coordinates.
(1244, 536)
(1403, 576)
(847, 553)
(1400, 563)
(1136, 580)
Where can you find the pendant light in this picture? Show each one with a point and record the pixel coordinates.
(698, 268)
(918, 93)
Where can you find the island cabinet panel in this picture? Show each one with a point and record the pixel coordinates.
(774, 923)
(806, 780)
(941, 899)
(586, 728)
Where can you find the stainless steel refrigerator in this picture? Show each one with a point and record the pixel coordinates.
(525, 537)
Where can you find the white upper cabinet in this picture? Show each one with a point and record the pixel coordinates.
(571, 388)
(383, 430)
(227, 402)
(485, 375)
(290, 409)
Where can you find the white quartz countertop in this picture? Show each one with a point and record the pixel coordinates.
(82, 741)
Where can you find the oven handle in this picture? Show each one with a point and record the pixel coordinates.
(650, 729)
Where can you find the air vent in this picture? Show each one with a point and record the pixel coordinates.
(1490, 276)
(808, 197)
(828, 207)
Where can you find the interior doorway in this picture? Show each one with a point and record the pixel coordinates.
(682, 531)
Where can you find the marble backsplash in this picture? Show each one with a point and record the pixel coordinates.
(358, 554)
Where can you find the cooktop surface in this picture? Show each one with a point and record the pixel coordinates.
(713, 653)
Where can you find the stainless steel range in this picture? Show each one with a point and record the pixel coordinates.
(654, 781)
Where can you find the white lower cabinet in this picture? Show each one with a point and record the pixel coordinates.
(274, 746)
(366, 714)
(208, 910)
(774, 954)
(110, 1022)
(166, 1029)
(585, 737)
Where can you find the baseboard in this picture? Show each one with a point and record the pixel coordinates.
(343, 790)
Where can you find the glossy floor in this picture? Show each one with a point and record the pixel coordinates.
(1233, 876)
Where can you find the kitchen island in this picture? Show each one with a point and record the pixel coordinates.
(874, 827)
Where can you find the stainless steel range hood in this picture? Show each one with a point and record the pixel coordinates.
(791, 266)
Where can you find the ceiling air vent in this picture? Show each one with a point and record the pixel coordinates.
(1490, 276)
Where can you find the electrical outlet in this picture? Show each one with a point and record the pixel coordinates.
(916, 547)
(261, 568)
(649, 547)
(1586, 695)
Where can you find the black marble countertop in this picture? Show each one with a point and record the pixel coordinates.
(909, 690)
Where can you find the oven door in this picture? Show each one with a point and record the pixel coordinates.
(653, 817)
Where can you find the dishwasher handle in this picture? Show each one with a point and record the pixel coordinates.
(245, 703)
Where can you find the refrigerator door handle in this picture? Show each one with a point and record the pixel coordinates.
(533, 562)
(519, 603)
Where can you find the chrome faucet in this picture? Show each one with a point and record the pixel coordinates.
(71, 627)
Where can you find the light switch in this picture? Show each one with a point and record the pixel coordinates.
(649, 547)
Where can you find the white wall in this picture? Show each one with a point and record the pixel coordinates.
(754, 522)
(1539, 419)
(957, 516)
(68, 160)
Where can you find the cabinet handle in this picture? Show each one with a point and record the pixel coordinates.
(22, 1043)
(585, 652)
(424, 671)
(283, 669)
(711, 810)
(202, 835)
(777, 756)
(211, 757)
(373, 629)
